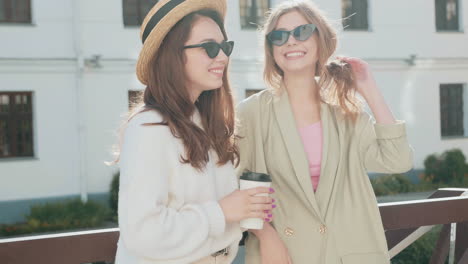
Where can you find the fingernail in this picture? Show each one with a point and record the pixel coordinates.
(267, 219)
(273, 206)
(266, 211)
(272, 190)
(270, 215)
(272, 200)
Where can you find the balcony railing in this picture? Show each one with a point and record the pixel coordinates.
(404, 223)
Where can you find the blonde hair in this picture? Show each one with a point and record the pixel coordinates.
(337, 86)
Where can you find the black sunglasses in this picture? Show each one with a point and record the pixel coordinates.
(212, 48)
(301, 33)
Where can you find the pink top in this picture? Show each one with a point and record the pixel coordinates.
(311, 136)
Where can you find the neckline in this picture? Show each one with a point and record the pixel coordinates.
(311, 125)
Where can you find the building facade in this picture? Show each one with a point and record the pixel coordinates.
(67, 73)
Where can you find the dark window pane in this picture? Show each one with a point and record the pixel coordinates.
(2, 13)
(25, 104)
(4, 104)
(26, 137)
(4, 148)
(451, 110)
(28, 104)
(355, 14)
(134, 98)
(250, 92)
(145, 7)
(134, 11)
(23, 11)
(130, 12)
(15, 11)
(18, 103)
(16, 131)
(252, 12)
(447, 15)
(20, 149)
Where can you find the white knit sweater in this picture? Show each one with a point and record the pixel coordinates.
(168, 211)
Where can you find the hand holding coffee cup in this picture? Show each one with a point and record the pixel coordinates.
(250, 180)
(248, 203)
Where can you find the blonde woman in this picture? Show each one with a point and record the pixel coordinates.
(308, 131)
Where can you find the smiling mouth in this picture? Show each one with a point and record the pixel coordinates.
(295, 54)
(217, 71)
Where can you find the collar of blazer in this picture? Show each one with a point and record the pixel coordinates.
(319, 200)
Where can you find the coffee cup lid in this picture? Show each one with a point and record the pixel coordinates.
(255, 176)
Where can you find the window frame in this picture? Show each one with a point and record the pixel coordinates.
(133, 97)
(140, 13)
(250, 92)
(447, 108)
(350, 27)
(12, 17)
(245, 21)
(438, 23)
(12, 117)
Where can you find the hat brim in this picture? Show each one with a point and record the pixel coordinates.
(159, 32)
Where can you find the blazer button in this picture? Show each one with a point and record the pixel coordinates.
(322, 229)
(288, 231)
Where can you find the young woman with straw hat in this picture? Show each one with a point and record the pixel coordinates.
(309, 134)
(178, 198)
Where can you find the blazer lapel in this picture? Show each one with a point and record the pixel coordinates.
(292, 140)
(330, 159)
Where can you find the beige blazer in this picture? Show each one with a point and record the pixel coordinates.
(340, 223)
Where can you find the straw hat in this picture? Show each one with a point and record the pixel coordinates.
(159, 21)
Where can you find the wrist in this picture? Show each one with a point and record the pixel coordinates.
(223, 209)
(262, 233)
(372, 96)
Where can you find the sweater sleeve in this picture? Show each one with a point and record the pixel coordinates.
(149, 228)
(384, 148)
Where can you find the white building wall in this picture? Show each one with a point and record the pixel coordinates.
(53, 170)
(49, 35)
(413, 94)
(42, 58)
(106, 93)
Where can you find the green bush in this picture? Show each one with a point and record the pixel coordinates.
(391, 184)
(114, 195)
(448, 168)
(420, 251)
(71, 214)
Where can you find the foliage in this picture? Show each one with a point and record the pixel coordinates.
(391, 184)
(114, 195)
(450, 167)
(440, 171)
(420, 251)
(70, 214)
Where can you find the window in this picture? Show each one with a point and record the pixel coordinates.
(15, 11)
(134, 98)
(452, 118)
(250, 92)
(354, 14)
(447, 15)
(134, 11)
(16, 127)
(252, 12)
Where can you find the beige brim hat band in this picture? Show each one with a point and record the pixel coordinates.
(160, 14)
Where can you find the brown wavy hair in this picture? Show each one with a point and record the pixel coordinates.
(337, 86)
(167, 93)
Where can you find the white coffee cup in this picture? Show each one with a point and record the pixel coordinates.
(250, 180)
